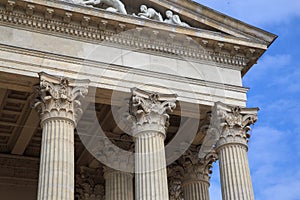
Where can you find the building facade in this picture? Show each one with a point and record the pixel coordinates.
(123, 100)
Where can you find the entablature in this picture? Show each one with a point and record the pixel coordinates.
(126, 31)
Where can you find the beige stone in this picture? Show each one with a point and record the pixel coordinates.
(202, 63)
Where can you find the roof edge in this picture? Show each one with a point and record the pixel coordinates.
(231, 22)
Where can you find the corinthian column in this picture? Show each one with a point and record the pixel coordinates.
(196, 176)
(149, 113)
(59, 106)
(233, 124)
(118, 184)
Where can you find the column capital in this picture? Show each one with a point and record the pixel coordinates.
(148, 111)
(88, 186)
(232, 123)
(60, 97)
(175, 189)
(196, 168)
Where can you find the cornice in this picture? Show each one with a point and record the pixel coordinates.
(193, 11)
(82, 13)
(99, 26)
(231, 25)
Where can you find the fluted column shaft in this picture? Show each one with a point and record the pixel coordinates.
(232, 145)
(118, 185)
(58, 102)
(150, 122)
(235, 173)
(151, 173)
(196, 190)
(196, 177)
(56, 178)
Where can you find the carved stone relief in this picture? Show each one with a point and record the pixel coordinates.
(87, 187)
(148, 108)
(114, 5)
(232, 123)
(148, 13)
(174, 19)
(175, 174)
(60, 94)
(196, 168)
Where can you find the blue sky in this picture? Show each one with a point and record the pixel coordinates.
(274, 147)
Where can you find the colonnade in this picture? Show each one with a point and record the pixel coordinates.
(59, 104)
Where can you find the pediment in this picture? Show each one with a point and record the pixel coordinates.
(202, 17)
(222, 37)
(197, 16)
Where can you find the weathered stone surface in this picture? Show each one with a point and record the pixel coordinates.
(118, 185)
(202, 64)
(59, 106)
(232, 124)
(150, 121)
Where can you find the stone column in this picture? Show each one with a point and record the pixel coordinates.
(118, 185)
(196, 175)
(149, 114)
(59, 105)
(232, 124)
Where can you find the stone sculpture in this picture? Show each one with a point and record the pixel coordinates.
(174, 19)
(115, 5)
(150, 13)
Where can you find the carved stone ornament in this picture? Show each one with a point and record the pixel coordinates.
(175, 182)
(149, 13)
(175, 189)
(60, 97)
(174, 19)
(118, 6)
(232, 123)
(87, 187)
(149, 110)
(79, 30)
(114, 5)
(196, 169)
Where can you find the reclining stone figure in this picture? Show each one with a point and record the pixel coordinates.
(115, 5)
(174, 19)
(150, 13)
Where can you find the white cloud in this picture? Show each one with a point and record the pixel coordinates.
(284, 190)
(274, 148)
(268, 66)
(273, 163)
(290, 79)
(272, 157)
